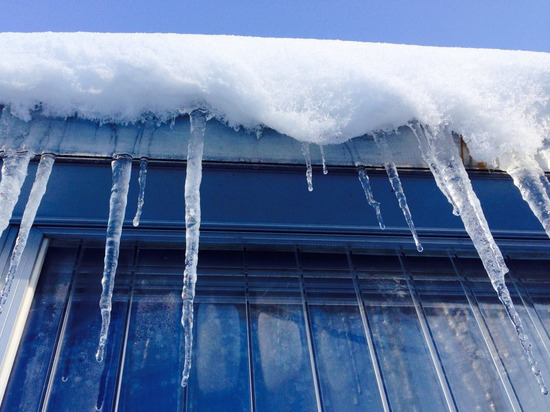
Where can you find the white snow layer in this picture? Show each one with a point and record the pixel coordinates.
(317, 91)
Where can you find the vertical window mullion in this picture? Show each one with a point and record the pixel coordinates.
(445, 387)
(368, 336)
(310, 343)
(249, 336)
(487, 338)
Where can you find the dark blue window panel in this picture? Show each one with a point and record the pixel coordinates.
(278, 329)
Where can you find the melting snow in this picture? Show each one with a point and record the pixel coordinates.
(317, 91)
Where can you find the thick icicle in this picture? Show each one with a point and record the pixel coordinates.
(446, 165)
(122, 169)
(14, 171)
(192, 230)
(393, 175)
(365, 182)
(35, 198)
(309, 170)
(141, 198)
(533, 185)
(325, 170)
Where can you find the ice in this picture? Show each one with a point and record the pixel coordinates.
(121, 170)
(309, 170)
(531, 182)
(192, 230)
(14, 171)
(141, 198)
(316, 91)
(365, 183)
(381, 140)
(43, 172)
(441, 154)
(325, 170)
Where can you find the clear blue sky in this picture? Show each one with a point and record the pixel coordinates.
(506, 24)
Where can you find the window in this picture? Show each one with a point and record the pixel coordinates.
(281, 328)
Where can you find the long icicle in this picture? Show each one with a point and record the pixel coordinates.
(43, 172)
(122, 168)
(533, 185)
(445, 163)
(192, 231)
(309, 170)
(142, 179)
(395, 181)
(14, 171)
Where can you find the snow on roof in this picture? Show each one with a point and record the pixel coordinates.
(320, 91)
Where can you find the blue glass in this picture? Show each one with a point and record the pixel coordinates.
(153, 358)
(464, 355)
(219, 379)
(283, 379)
(346, 373)
(405, 363)
(79, 382)
(33, 359)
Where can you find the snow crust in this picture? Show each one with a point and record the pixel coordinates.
(317, 91)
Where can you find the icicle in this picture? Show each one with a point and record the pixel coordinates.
(37, 192)
(391, 170)
(141, 198)
(325, 170)
(309, 171)
(364, 179)
(14, 171)
(122, 169)
(365, 183)
(529, 178)
(446, 165)
(192, 231)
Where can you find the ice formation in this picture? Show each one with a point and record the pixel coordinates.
(533, 185)
(365, 183)
(391, 170)
(14, 171)
(122, 169)
(43, 172)
(444, 161)
(316, 91)
(309, 170)
(192, 229)
(323, 160)
(142, 180)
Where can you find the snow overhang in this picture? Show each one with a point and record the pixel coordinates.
(315, 91)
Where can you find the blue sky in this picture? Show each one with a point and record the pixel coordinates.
(506, 24)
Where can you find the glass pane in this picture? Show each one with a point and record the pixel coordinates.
(508, 346)
(219, 379)
(346, 374)
(406, 365)
(154, 352)
(77, 383)
(283, 380)
(33, 359)
(468, 365)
